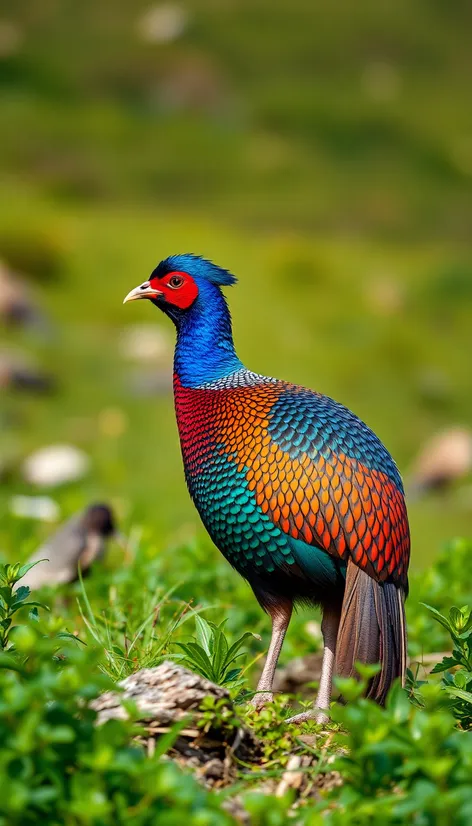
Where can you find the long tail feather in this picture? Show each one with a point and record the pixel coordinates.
(372, 630)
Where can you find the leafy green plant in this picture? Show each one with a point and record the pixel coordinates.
(457, 683)
(403, 764)
(276, 736)
(56, 764)
(211, 655)
(408, 764)
(217, 713)
(13, 600)
(447, 582)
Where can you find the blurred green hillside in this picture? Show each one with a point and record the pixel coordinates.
(309, 115)
(322, 152)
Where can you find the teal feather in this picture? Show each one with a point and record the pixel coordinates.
(317, 565)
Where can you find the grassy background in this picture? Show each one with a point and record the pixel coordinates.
(323, 153)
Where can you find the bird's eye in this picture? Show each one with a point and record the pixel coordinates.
(176, 281)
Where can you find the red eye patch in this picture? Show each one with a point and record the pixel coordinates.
(179, 296)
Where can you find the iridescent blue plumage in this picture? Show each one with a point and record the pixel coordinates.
(307, 422)
(197, 267)
(205, 350)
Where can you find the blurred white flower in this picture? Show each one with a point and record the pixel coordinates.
(313, 629)
(163, 23)
(35, 507)
(55, 465)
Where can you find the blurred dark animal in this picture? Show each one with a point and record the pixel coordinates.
(81, 540)
(298, 493)
(444, 459)
(17, 374)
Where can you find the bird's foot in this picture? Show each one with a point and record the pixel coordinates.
(316, 715)
(261, 699)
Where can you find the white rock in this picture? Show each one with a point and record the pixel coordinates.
(55, 465)
(35, 507)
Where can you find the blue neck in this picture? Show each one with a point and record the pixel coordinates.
(205, 350)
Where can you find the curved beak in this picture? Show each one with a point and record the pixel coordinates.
(143, 291)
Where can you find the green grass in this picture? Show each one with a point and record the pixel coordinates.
(303, 115)
(406, 763)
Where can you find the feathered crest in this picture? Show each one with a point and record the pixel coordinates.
(197, 266)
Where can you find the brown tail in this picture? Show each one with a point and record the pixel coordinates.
(372, 630)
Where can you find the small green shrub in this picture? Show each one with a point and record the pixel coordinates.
(211, 655)
(458, 683)
(404, 764)
(12, 600)
(407, 763)
(56, 765)
(447, 582)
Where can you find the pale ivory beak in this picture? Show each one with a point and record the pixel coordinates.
(143, 291)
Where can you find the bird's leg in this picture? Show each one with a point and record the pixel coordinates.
(280, 615)
(329, 629)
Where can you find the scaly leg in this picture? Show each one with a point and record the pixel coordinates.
(329, 629)
(280, 615)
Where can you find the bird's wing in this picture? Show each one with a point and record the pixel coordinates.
(324, 478)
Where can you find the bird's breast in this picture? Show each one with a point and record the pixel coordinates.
(222, 425)
(212, 425)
